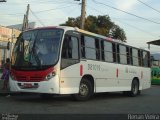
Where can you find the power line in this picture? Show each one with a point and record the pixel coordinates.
(149, 6)
(40, 2)
(37, 18)
(125, 23)
(41, 10)
(16, 14)
(126, 12)
(60, 2)
(48, 1)
(52, 9)
(138, 28)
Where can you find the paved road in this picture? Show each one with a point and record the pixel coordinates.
(106, 103)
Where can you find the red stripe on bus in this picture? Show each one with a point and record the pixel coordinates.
(81, 70)
(117, 72)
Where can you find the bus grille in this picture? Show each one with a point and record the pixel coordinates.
(29, 78)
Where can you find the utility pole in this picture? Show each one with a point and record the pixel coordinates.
(27, 14)
(83, 13)
(25, 19)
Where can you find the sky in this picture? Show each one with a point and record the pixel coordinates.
(54, 12)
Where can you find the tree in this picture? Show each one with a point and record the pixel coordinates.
(100, 25)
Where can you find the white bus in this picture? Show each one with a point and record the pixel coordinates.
(68, 60)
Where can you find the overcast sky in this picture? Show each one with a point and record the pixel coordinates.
(55, 12)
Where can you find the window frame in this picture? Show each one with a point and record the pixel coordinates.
(83, 46)
(72, 34)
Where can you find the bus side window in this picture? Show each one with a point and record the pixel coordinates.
(123, 54)
(118, 54)
(139, 57)
(114, 52)
(97, 46)
(149, 59)
(128, 55)
(83, 55)
(90, 47)
(131, 57)
(65, 47)
(145, 59)
(70, 54)
(135, 56)
(108, 51)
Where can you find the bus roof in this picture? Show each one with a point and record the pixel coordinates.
(66, 28)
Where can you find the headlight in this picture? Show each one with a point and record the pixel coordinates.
(50, 75)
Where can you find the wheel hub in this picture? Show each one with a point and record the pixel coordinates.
(83, 90)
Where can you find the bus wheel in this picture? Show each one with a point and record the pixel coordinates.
(85, 90)
(134, 89)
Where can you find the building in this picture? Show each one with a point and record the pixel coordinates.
(7, 40)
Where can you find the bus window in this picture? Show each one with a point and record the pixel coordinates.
(118, 54)
(97, 49)
(82, 47)
(135, 57)
(140, 57)
(69, 51)
(128, 55)
(145, 59)
(123, 56)
(114, 52)
(107, 51)
(149, 59)
(89, 48)
(131, 57)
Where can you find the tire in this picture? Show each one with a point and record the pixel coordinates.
(85, 91)
(134, 89)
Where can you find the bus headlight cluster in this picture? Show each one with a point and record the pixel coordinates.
(50, 75)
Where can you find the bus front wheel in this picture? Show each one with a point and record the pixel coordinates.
(85, 91)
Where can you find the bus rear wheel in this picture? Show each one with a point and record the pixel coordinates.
(85, 91)
(134, 88)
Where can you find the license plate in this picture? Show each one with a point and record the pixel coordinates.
(27, 85)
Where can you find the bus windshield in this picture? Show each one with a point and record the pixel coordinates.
(36, 49)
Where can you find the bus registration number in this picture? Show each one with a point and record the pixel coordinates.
(27, 85)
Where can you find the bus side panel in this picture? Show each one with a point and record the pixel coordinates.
(70, 79)
(125, 75)
(146, 78)
(128, 73)
(104, 75)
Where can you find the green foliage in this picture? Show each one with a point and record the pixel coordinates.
(100, 25)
